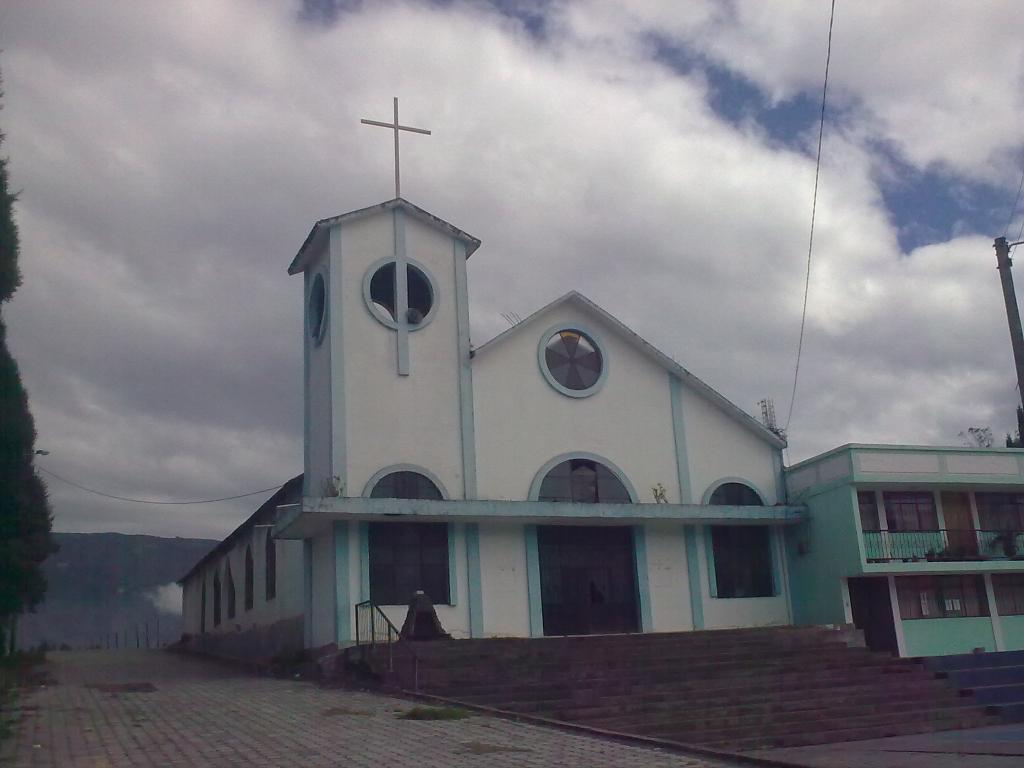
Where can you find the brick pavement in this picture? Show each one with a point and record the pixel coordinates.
(202, 713)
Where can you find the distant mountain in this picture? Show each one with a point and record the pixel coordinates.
(102, 584)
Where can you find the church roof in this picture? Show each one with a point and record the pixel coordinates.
(289, 493)
(655, 354)
(314, 240)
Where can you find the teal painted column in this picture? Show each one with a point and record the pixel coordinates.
(364, 561)
(533, 581)
(476, 599)
(307, 592)
(679, 436)
(690, 534)
(453, 574)
(643, 584)
(342, 597)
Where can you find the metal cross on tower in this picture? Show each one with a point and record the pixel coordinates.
(396, 128)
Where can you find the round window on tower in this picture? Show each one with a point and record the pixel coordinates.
(571, 360)
(317, 310)
(381, 293)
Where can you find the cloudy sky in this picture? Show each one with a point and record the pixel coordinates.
(657, 156)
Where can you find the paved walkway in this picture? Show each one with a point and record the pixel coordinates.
(152, 708)
(1000, 746)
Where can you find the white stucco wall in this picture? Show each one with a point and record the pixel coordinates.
(392, 419)
(506, 610)
(733, 612)
(286, 604)
(667, 577)
(454, 618)
(522, 422)
(323, 589)
(719, 447)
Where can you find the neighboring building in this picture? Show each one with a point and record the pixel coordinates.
(565, 477)
(920, 547)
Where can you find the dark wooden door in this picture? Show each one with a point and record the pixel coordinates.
(588, 579)
(872, 612)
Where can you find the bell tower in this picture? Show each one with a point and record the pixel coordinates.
(387, 376)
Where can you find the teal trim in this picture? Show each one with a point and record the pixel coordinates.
(467, 427)
(543, 364)
(679, 435)
(775, 547)
(382, 473)
(342, 598)
(780, 477)
(453, 575)
(307, 592)
(643, 584)
(742, 481)
(709, 557)
(473, 573)
(401, 294)
(306, 405)
(336, 367)
(538, 479)
(364, 560)
(533, 581)
(690, 534)
(299, 522)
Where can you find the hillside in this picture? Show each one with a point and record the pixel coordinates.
(106, 583)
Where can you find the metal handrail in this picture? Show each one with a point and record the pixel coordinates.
(373, 628)
(942, 544)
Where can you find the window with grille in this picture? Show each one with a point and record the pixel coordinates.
(406, 558)
(910, 511)
(941, 597)
(583, 481)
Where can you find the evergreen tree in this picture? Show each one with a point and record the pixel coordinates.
(25, 517)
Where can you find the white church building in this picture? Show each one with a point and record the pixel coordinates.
(565, 477)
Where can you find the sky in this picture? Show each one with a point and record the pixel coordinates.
(659, 157)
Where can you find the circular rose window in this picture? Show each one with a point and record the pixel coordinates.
(382, 295)
(571, 361)
(317, 309)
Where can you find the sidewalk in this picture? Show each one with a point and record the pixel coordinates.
(107, 709)
(1000, 746)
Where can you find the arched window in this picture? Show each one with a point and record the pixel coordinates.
(583, 480)
(202, 609)
(248, 578)
(270, 565)
(230, 583)
(742, 553)
(735, 495)
(405, 485)
(216, 599)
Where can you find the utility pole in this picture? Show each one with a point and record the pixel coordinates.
(1004, 265)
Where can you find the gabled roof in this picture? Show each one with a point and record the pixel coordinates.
(316, 235)
(289, 493)
(652, 352)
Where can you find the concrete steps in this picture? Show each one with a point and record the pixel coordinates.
(992, 679)
(736, 689)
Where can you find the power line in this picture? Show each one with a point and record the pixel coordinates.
(151, 501)
(814, 209)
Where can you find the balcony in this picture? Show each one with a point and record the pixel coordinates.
(944, 545)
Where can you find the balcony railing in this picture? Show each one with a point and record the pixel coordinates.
(942, 545)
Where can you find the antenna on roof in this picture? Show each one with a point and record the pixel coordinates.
(768, 416)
